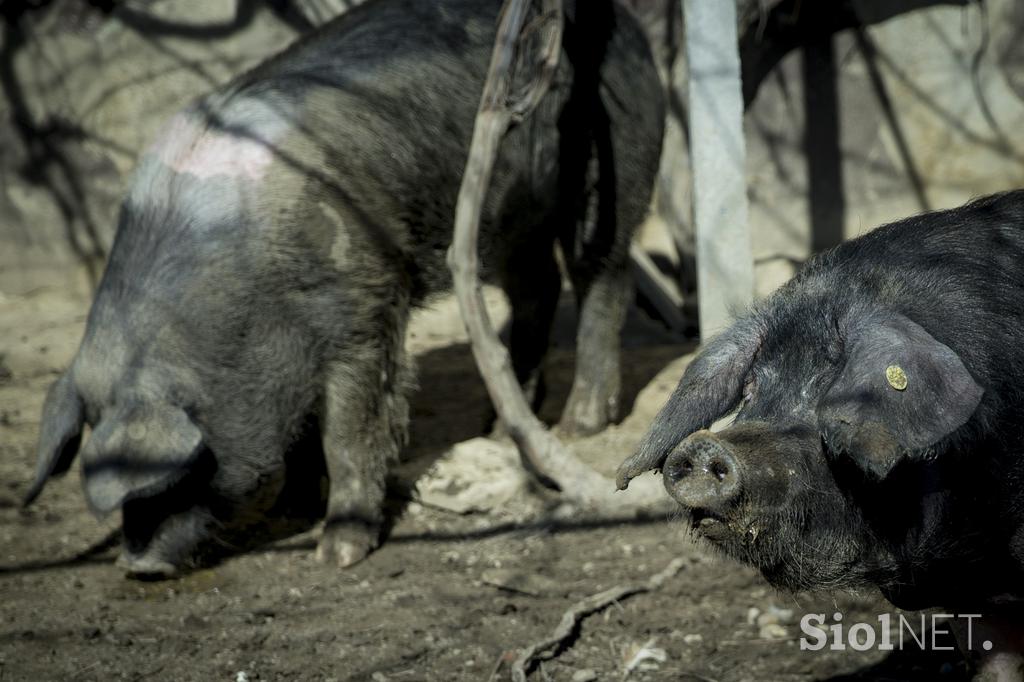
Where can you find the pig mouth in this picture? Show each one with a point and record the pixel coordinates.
(722, 531)
(710, 526)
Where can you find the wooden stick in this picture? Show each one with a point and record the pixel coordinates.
(584, 608)
(663, 294)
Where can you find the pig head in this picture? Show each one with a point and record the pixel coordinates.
(137, 449)
(836, 411)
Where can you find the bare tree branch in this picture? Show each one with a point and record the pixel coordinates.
(542, 451)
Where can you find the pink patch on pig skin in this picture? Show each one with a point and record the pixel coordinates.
(187, 146)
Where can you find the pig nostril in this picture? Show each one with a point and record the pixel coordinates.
(680, 470)
(719, 470)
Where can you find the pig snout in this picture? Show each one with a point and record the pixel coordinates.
(702, 474)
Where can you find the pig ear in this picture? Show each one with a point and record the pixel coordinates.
(140, 450)
(711, 386)
(60, 433)
(900, 391)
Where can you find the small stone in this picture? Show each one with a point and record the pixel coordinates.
(752, 613)
(478, 475)
(585, 675)
(565, 511)
(693, 638)
(773, 631)
(192, 621)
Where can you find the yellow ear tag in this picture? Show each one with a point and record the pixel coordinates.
(896, 377)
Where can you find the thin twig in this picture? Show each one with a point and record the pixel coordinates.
(583, 608)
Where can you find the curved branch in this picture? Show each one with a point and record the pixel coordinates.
(581, 609)
(540, 448)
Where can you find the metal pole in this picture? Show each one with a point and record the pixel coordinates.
(725, 265)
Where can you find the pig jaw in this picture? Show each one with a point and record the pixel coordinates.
(793, 557)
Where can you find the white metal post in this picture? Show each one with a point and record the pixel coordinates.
(725, 265)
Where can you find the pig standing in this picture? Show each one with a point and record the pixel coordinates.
(277, 233)
(880, 433)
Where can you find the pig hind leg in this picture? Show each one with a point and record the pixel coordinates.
(532, 283)
(597, 257)
(594, 398)
(364, 422)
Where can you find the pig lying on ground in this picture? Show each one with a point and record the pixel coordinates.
(880, 433)
(277, 233)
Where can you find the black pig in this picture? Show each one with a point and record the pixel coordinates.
(879, 439)
(277, 233)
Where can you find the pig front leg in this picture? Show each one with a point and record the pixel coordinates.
(363, 424)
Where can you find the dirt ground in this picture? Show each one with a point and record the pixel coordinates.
(448, 596)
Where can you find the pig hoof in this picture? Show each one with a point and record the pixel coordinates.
(583, 422)
(343, 546)
(146, 567)
(579, 429)
(589, 411)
